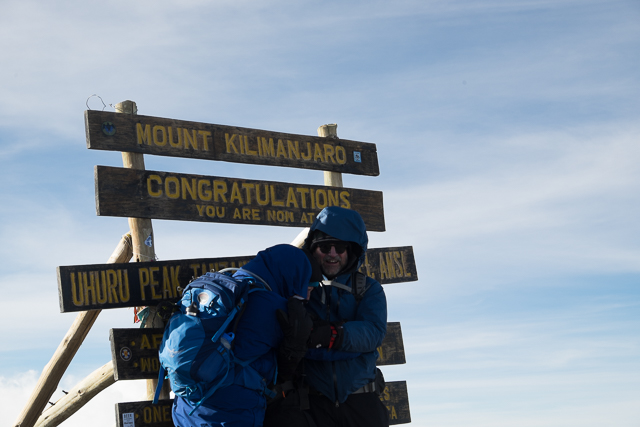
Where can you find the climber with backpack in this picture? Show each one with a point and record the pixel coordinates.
(221, 347)
(337, 384)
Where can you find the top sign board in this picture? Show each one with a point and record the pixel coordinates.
(178, 138)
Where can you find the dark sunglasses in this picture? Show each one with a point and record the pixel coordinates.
(325, 248)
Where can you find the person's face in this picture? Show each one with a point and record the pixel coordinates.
(330, 260)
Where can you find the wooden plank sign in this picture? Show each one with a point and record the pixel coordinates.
(175, 196)
(390, 265)
(391, 352)
(103, 286)
(134, 351)
(146, 414)
(396, 398)
(178, 138)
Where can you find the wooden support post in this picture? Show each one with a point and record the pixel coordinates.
(142, 240)
(52, 373)
(78, 396)
(331, 179)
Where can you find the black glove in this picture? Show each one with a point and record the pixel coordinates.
(326, 335)
(296, 326)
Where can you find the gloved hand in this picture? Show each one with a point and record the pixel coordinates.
(296, 325)
(325, 335)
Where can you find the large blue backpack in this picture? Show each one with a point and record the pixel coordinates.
(196, 352)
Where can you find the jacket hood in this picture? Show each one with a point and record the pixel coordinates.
(285, 268)
(343, 224)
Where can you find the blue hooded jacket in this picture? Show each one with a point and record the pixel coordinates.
(287, 271)
(337, 374)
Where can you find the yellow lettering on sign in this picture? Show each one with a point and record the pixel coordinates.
(303, 195)
(392, 412)
(112, 283)
(332, 198)
(144, 344)
(90, 289)
(150, 187)
(172, 191)
(309, 152)
(321, 204)
(167, 289)
(397, 261)
(275, 202)
(317, 154)
(235, 194)
(196, 269)
(205, 134)
(390, 267)
(291, 198)
(143, 275)
(404, 265)
(280, 152)
(149, 364)
(341, 155)
(160, 142)
(146, 415)
(219, 190)
(265, 148)
(157, 340)
(190, 139)
(77, 292)
(248, 187)
(153, 282)
(329, 152)
(123, 288)
(171, 143)
(188, 188)
(101, 287)
(380, 354)
(344, 196)
(384, 273)
(293, 149)
(204, 194)
(265, 201)
(230, 143)
(144, 135)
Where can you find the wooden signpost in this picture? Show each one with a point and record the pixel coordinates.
(134, 351)
(179, 138)
(186, 197)
(142, 195)
(104, 286)
(145, 414)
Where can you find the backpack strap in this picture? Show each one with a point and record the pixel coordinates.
(161, 375)
(358, 285)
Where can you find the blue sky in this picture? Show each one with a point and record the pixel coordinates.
(507, 134)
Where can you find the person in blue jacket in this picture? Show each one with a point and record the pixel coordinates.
(340, 366)
(260, 332)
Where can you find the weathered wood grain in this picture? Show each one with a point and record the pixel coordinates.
(146, 414)
(179, 138)
(186, 197)
(104, 286)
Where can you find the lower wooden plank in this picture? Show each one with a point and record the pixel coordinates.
(396, 398)
(134, 351)
(146, 414)
(103, 286)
